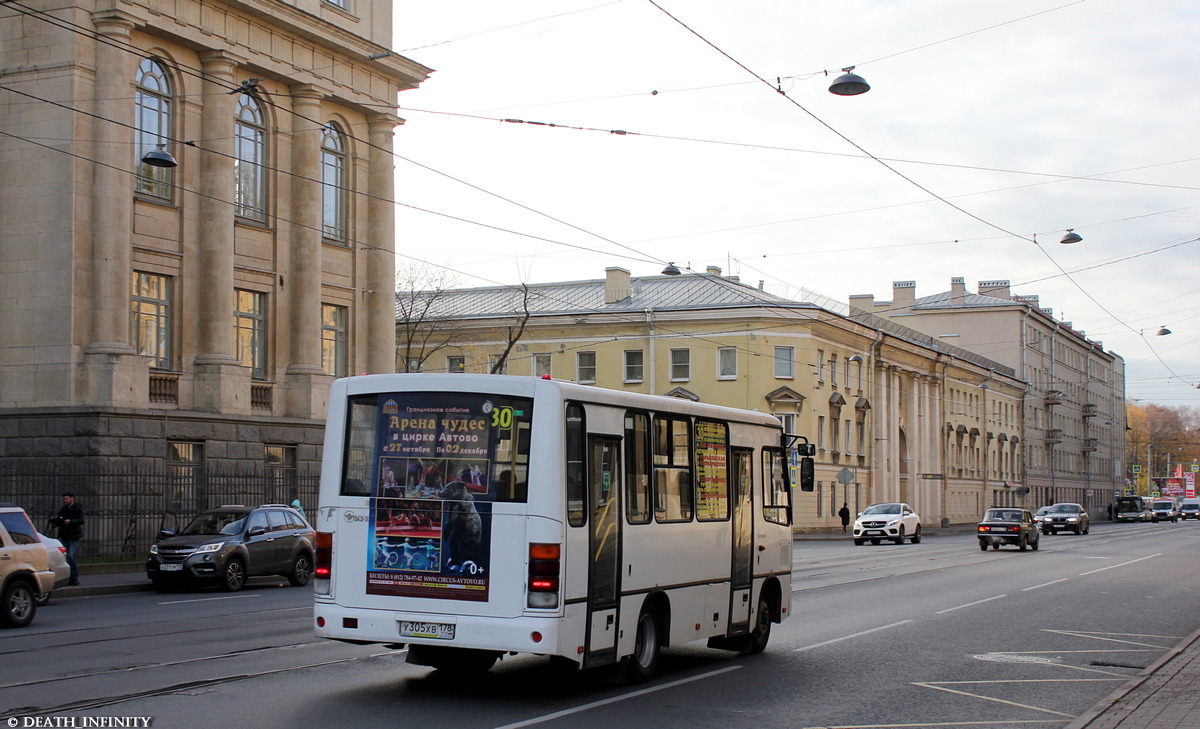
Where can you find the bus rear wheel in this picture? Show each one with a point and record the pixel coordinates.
(642, 665)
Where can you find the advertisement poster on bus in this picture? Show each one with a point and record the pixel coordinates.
(431, 514)
(712, 464)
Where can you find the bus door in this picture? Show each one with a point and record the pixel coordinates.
(604, 490)
(741, 482)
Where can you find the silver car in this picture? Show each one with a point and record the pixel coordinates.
(56, 555)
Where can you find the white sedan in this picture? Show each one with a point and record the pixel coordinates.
(894, 521)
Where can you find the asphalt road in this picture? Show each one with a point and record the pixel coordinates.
(934, 634)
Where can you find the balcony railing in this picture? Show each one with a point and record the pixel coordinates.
(260, 395)
(1055, 397)
(1089, 444)
(1054, 436)
(1091, 410)
(164, 387)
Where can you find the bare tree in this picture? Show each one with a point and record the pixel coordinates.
(516, 328)
(419, 335)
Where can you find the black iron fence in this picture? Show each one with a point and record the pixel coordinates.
(125, 508)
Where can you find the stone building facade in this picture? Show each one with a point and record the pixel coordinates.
(196, 313)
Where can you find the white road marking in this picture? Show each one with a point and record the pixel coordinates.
(614, 699)
(848, 637)
(207, 599)
(1123, 564)
(970, 604)
(1044, 584)
(999, 701)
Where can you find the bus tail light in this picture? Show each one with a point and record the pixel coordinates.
(544, 567)
(323, 562)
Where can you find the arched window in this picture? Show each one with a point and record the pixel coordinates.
(153, 127)
(333, 184)
(250, 153)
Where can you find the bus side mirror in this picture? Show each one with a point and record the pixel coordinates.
(807, 475)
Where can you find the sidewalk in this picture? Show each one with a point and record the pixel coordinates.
(1166, 695)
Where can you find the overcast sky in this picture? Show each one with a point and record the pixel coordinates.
(988, 125)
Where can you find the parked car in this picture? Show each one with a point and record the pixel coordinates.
(1165, 510)
(56, 554)
(24, 567)
(1189, 509)
(1008, 526)
(894, 521)
(226, 545)
(1066, 517)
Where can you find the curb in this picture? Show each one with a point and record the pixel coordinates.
(1106, 704)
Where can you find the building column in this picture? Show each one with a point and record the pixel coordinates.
(221, 383)
(379, 299)
(885, 438)
(115, 375)
(307, 382)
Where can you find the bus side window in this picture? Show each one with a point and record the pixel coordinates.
(637, 468)
(576, 461)
(673, 491)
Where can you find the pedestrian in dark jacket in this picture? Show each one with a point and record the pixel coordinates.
(844, 512)
(70, 530)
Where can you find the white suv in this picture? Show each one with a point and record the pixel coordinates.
(25, 572)
(892, 521)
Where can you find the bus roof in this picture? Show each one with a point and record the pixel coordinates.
(526, 386)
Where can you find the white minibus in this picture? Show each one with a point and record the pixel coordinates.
(468, 517)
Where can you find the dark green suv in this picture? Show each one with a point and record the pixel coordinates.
(226, 545)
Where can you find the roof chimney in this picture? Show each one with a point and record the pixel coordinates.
(904, 294)
(958, 290)
(616, 284)
(996, 289)
(714, 270)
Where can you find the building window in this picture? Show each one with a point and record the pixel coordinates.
(833, 370)
(343, 4)
(789, 422)
(585, 366)
(333, 184)
(185, 462)
(821, 432)
(497, 365)
(820, 365)
(333, 339)
(541, 364)
(634, 370)
(681, 365)
(785, 362)
(250, 331)
(152, 122)
(727, 363)
(250, 158)
(280, 462)
(456, 364)
(152, 318)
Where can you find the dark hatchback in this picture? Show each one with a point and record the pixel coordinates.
(226, 545)
(1008, 526)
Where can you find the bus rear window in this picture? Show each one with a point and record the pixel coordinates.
(414, 445)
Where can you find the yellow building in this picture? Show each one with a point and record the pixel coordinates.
(893, 413)
(192, 309)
